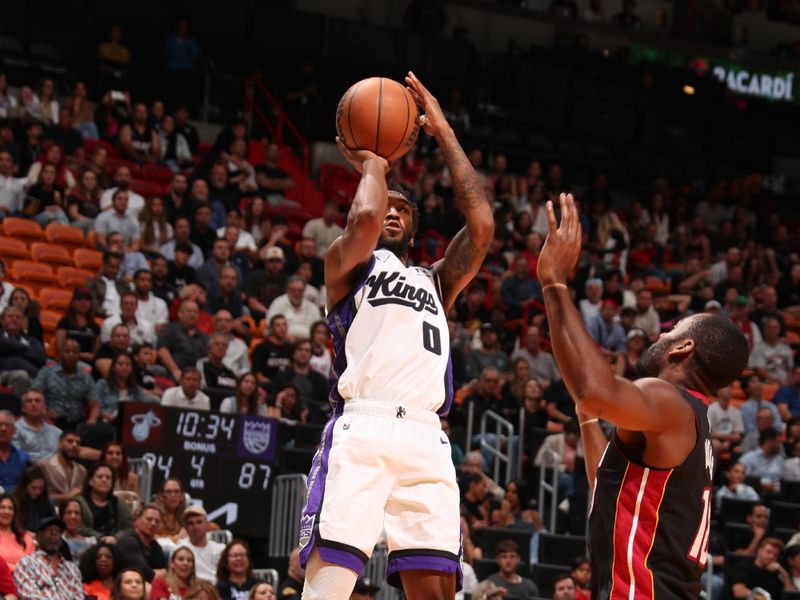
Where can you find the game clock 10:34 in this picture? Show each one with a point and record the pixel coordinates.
(208, 426)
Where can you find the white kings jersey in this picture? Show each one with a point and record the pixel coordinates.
(390, 338)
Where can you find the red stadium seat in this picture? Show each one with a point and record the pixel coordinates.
(65, 235)
(55, 298)
(49, 319)
(88, 259)
(51, 253)
(22, 228)
(114, 163)
(157, 173)
(148, 189)
(12, 249)
(69, 277)
(36, 275)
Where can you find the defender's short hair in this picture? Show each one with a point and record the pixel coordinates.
(721, 351)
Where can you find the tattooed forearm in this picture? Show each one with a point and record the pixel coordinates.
(461, 257)
(466, 252)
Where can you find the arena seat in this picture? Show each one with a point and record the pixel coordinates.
(544, 575)
(785, 515)
(53, 254)
(12, 249)
(737, 535)
(558, 549)
(37, 275)
(90, 145)
(72, 277)
(22, 228)
(96, 435)
(65, 235)
(49, 319)
(307, 435)
(88, 259)
(55, 298)
(734, 510)
(146, 188)
(490, 536)
(113, 163)
(159, 173)
(487, 566)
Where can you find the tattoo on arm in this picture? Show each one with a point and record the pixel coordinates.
(462, 254)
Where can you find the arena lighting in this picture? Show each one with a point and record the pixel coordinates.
(688, 90)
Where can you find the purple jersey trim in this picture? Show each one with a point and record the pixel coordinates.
(340, 318)
(423, 562)
(316, 490)
(341, 557)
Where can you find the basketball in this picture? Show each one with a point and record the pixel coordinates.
(379, 115)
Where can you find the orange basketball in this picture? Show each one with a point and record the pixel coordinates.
(379, 115)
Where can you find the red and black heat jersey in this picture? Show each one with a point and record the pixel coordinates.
(648, 527)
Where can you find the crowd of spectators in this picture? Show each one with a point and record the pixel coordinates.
(190, 278)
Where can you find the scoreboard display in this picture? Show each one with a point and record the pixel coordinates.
(224, 460)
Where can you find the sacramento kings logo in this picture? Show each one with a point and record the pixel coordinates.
(256, 436)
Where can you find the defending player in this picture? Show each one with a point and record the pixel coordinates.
(651, 509)
(383, 460)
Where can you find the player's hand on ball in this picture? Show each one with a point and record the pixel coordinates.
(562, 248)
(357, 158)
(433, 120)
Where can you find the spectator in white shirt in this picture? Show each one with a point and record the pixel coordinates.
(735, 486)
(236, 357)
(150, 308)
(791, 470)
(725, 421)
(206, 552)
(590, 305)
(244, 239)
(300, 313)
(647, 319)
(324, 230)
(187, 394)
(770, 358)
(141, 330)
(122, 179)
(12, 189)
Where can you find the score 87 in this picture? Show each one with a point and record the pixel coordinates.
(248, 475)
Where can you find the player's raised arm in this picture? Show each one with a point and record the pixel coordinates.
(353, 248)
(465, 254)
(646, 405)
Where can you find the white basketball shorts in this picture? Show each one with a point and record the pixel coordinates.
(380, 466)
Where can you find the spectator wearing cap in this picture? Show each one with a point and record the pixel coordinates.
(364, 589)
(291, 588)
(45, 574)
(323, 230)
(206, 552)
(604, 330)
(187, 394)
(519, 288)
(300, 313)
(635, 345)
(712, 307)
(265, 284)
(68, 391)
(488, 355)
(541, 364)
(33, 434)
(182, 230)
(770, 358)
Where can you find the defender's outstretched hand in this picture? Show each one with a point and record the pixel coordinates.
(562, 248)
(357, 158)
(432, 119)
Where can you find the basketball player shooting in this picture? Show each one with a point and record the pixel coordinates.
(651, 508)
(383, 461)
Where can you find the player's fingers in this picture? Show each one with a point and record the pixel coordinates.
(417, 98)
(423, 91)
(552, 225)
(562, 202)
